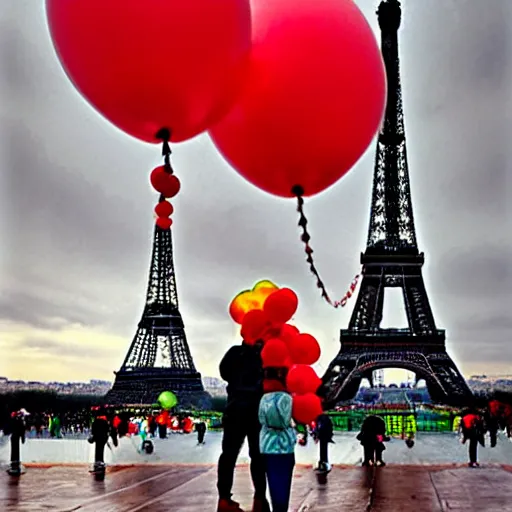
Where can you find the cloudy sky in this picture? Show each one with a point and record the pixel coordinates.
(76, 208)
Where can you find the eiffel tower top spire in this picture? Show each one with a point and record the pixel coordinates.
(391, 229)
(162, 280)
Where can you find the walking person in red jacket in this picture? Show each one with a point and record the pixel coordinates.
(472, 425)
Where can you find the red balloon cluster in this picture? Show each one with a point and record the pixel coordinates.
(168, 185)
(284, 346)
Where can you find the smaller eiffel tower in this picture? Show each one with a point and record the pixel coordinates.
(392, 259)
(159, 358)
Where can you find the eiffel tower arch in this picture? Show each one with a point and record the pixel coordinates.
(159, 357)
(392, 260)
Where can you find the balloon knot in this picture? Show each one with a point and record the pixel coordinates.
(164, 134)
(297, 190)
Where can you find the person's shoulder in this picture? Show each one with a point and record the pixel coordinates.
(235, 349)
(233, 352)
(282, 396)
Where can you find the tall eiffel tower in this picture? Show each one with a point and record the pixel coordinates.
(392, 259)
(159, 358)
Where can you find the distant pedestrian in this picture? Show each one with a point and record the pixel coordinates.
(162, 421)
(323, 434)
(201, 431)
(101, 430)
(16, 428)
(146, 443)
(55, 426)
(472, 425)
(123, 424)
(492, 420)
(372, 437)
(152, 425)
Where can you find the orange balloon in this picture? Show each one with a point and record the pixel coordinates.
(265, 284)
(251, 299)
(241, 304)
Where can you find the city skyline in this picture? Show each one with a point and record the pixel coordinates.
(77, 210)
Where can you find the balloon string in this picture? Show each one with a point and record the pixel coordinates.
(164, 135)
(298, 191)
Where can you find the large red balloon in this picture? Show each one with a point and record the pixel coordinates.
(304, 349)
(275, 354)
(302, 379)
(306, 408)
(153, 64)
(314, 98)
(281, 305)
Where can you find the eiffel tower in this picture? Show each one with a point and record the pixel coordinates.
(392, 259)
(159, 358)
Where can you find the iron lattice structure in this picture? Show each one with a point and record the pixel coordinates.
(159, 358)
(392, 259)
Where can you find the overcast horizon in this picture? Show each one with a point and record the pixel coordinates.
(77, 209)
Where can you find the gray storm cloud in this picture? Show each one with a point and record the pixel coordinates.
(77, 206)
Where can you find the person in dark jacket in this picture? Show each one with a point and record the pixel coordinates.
(16, 428)
(101, 429)
(323, 434)
(201, 431)
(242, 369)
(491, 422)
(372, 437)
(472, 426)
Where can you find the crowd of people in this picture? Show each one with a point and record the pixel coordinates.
(260, 410)
(475, 423)
(97, 425)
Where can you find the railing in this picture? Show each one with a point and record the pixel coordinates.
(389, 333)
(398, 422)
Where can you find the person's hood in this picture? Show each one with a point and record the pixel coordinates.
(276, 408)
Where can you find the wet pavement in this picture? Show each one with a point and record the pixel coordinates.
(180, 448)
(181, 476)
(191, 488)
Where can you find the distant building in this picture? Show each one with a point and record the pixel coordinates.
(98, 387)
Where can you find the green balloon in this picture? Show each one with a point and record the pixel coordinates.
(167, 400)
